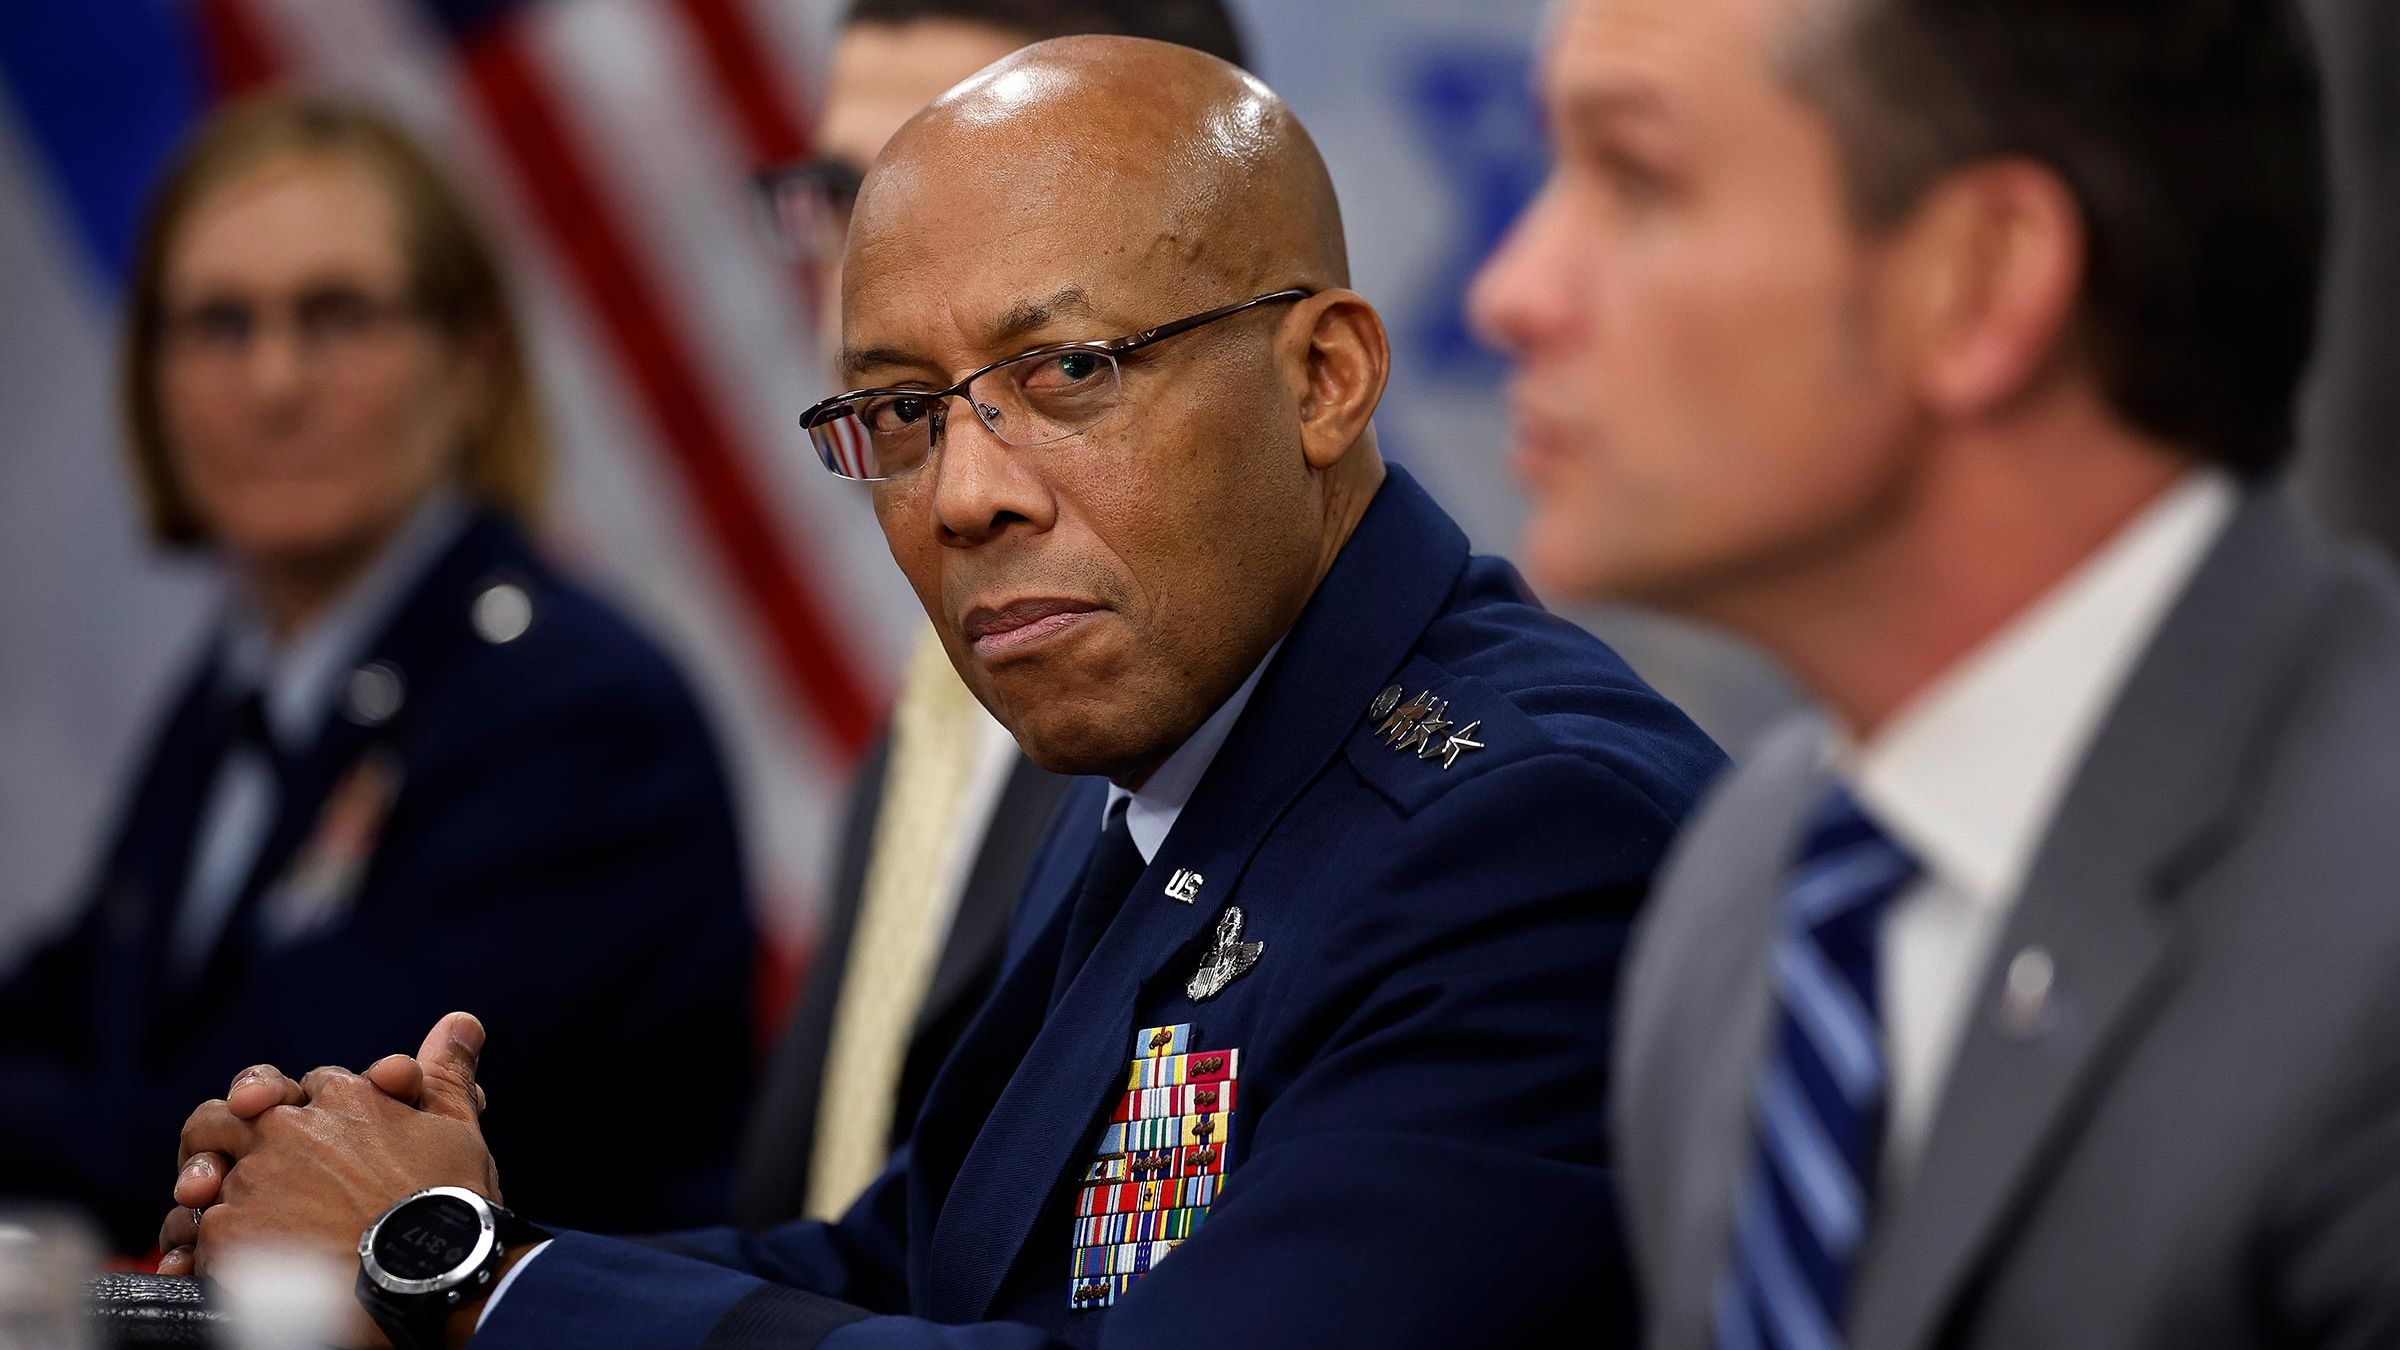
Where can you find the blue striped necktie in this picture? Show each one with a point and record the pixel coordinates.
(1803, 1207)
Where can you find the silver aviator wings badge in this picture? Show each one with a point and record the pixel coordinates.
(1228, 958)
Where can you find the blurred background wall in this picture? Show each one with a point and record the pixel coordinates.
(2351, 473)
(609, 142)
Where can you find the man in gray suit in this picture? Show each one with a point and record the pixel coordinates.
(2045, 989)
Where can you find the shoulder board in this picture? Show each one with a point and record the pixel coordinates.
(1428, 731)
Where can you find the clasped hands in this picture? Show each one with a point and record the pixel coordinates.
(311, 1163)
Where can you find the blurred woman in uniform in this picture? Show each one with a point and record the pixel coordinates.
(409, 744)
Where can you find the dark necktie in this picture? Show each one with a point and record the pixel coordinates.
(1114, 866)
(251, 729)
(242, 727)
(1803, 1208)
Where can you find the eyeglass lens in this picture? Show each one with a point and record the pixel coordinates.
(808, 208)
(1034, 400)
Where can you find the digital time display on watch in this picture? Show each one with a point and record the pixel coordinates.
(430, 1239)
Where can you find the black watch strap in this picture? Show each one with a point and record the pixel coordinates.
(412, 1323)
(516, 1230)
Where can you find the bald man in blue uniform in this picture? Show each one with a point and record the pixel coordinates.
(1302, 1034)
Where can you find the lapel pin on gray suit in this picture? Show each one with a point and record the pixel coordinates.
(2024, 1010)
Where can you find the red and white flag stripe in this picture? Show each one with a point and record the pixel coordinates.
(611, 141)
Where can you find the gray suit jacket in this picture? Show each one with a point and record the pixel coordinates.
(2192, 1139)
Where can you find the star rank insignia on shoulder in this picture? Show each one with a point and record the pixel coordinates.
(1422, 726)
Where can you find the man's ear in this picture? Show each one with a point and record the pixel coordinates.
(1346, 359)
(1993, 268)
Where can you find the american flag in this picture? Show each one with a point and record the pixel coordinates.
(610, 145)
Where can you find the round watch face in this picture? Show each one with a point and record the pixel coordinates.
(432, 1237)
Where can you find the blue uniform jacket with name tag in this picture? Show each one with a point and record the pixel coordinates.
(1404, 1141)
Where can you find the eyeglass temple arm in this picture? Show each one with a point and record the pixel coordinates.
(1114, 347)
(1185, 325)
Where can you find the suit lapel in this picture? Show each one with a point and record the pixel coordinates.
(152, 862)
(238, 944)
(417, 639)
(313, 780)
(2158, 786)
(1701, 1140)
(1033, 1130)
(1387, 585)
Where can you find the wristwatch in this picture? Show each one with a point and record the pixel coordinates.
(429, 1253)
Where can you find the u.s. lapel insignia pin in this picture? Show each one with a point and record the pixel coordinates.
(1184, 885)
(1228, 958)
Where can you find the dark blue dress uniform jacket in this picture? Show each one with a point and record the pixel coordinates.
(1418, 1145)
(559, 857)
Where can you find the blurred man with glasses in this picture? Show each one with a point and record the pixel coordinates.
(892, 57)
(1302, 1034)
(945, 811)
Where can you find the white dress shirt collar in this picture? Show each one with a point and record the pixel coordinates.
(1161, 797)
(300, 677)
(1968, 776)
